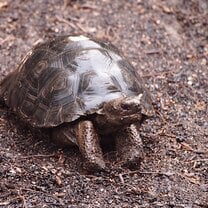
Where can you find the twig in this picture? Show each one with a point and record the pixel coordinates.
(150, 52)
(45, 192)
(190, 178)
(74, 26)
(22, 198)
(201, 152)
(121, 178)
(40, 155)
(8, 38)
(201, 160)
(5, 203)
(148, 172)
(89, 6)
(60, 19)
(65, 4)
(161, 116)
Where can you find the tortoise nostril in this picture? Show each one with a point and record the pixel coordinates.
(126, 106)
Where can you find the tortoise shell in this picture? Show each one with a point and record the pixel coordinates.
(68, 77)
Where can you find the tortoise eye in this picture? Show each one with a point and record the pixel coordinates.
(19, 84)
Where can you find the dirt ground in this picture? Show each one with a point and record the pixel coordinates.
(167, 41)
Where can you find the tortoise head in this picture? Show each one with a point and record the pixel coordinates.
(127, 110)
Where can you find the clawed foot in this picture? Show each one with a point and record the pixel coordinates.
(129, 147)
(94, 164)
(132, 160)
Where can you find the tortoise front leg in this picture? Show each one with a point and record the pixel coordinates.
(84, 135)
(88, 142)
(129, 146)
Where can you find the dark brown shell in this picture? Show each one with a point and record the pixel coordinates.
(68, 77)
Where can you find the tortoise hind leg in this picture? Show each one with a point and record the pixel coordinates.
(64, 135)
(88, 142)
(129, 146)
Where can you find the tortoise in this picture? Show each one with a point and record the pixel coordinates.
(81, 88)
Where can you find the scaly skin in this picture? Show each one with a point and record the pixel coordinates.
(129, 146)
(88, 142)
